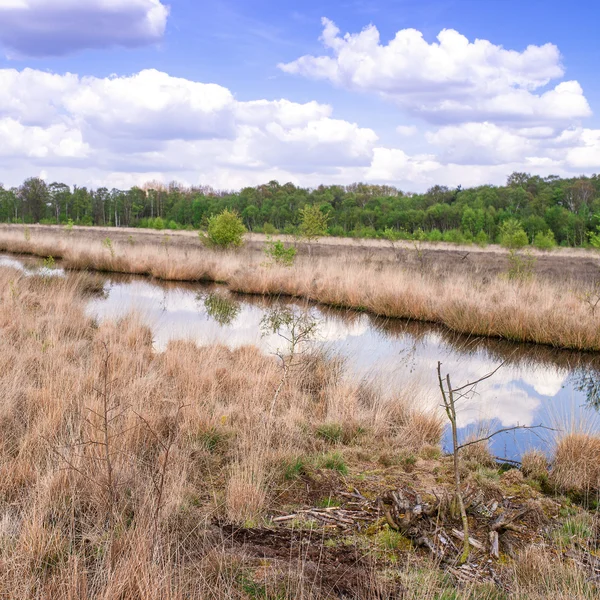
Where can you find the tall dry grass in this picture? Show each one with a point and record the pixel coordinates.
(537, 311)
(197, 420)
(195, 417)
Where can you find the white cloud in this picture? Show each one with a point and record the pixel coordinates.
(587, 153)
(151, 122)
(407, 130)
(121, 131)
(57, 27)
(448, 81)
(50, 143)
(481, 143)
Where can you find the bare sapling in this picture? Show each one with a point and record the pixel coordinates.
(94, 456)
(296, 329)
(591, 296)
(450, 397)
(159, 476)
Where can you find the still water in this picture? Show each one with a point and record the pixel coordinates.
(536, 385)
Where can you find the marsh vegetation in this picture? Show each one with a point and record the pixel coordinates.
(135, 470)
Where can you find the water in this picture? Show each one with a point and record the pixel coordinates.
(535, 385)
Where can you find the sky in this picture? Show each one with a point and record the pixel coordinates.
(228, 93)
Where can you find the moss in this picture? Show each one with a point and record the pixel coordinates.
(393, 540)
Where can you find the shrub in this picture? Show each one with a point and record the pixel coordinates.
(279, 254)
(576, 464)
(393, 235)
(294, 469)
(225, 230)
(435, 235)
(313, 222)
(269, 229)
(107, 243)
(481, 239)
(454, 236)
(544, 241)
(330, 432)
(521, 266)
(337, 231)
(157, 223)
(335, 462)
(512, 235)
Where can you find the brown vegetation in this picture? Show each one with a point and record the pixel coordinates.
(576, 464)
(534, 310)
(131, 474)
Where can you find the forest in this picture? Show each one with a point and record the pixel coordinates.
(567, 210)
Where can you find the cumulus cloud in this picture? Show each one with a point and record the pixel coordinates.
(448, 81)
(123, 131)
(58, 27)
(151, 122)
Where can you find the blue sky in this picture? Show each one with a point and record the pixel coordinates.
(114, 92)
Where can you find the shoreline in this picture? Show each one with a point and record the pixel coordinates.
(538, 310)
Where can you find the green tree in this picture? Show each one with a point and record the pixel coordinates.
(544, 241)
(34, 195)
(313, 222)
(225, 230)
(512, 235)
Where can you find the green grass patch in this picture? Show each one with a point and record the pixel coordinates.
(295, 468)
(333, 461)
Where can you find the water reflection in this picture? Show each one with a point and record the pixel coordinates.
(221, 307)
(536, 384)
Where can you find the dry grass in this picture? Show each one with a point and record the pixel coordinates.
(534, 464)
(67, 533)
(576, 463)
(536, 311)
(65, 530)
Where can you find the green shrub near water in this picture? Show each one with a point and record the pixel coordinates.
(279, 254)
(225, 230)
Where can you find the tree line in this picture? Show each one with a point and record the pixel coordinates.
(567, 210)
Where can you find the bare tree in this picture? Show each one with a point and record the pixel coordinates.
(450, 396)
(296, 329)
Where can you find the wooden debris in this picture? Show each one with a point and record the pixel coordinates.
(494, 544)
(461, 536)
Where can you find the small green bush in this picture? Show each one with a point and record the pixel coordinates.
(157, 223)
(107, 243)
(225, 230)
(313, 222)
(454, 236)
(481, 239)
(435, 235)
(277, 252)
(330, 432)
(544, 241)
(269, 229)
(512, 235)
(522, 266)
(295, 468)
